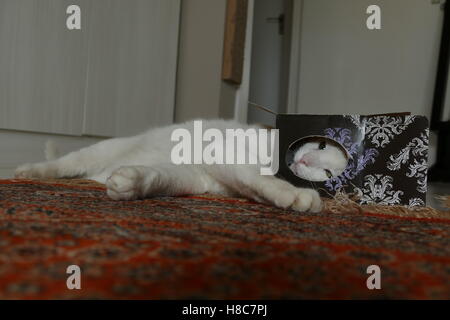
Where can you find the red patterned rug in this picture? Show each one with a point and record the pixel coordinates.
(208, 247)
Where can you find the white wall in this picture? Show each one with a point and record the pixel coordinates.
(346, 68)
(200, 92)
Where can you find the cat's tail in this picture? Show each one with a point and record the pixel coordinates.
(51, 150)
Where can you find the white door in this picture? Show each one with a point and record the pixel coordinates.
(132, 65)
(342, 67)
(115, 76)
(266, 73)
(42, 67)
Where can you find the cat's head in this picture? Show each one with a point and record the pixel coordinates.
(317, 159)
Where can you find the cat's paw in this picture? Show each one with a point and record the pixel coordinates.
(24, 171)
(124, 184)
(298, 199)
(307, 200)
(34, 171)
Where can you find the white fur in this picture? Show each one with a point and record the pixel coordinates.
(140, 167)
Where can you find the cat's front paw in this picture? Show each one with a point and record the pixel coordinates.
(307, 200)
(124, 184)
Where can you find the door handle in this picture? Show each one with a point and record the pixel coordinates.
(280, 20)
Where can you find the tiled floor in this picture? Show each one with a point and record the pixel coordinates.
(435, 188)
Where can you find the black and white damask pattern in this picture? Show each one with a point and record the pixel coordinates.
(381, 130)
(378, 185)
(378, 189)
(415, 156)
(416, 202)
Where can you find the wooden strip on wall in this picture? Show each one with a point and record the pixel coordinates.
(234, 40)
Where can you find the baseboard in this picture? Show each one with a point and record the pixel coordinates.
(21, 147)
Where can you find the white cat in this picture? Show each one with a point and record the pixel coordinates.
(141, 167)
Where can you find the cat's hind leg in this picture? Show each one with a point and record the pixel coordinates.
(78, 164)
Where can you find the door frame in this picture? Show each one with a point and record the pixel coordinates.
(292, 65)
(294, 59)
(243, 91)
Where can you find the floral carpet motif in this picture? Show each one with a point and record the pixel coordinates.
(208, 247)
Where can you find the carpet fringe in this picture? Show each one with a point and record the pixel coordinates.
(346, 203)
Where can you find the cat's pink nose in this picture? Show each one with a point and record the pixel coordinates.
(303, 161)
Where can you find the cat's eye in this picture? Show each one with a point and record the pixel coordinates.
(311, 170)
